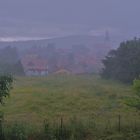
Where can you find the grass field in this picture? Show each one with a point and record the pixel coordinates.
(34, 99)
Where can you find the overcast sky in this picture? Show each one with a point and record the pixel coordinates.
(27, 19)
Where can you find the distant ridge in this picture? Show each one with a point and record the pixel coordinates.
(59, 42)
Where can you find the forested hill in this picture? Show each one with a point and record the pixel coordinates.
(68, 41)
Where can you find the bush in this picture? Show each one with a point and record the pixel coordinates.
(16, 132)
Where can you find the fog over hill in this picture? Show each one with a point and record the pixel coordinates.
(70, 35)
(55, 18)
(68, 41)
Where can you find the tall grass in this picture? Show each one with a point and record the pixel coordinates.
(95, 102)
(72, 129)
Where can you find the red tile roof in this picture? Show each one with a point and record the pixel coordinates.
(34, 63)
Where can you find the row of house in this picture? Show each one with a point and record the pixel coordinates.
(76, 60)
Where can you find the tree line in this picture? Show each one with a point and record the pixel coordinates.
(10, 62)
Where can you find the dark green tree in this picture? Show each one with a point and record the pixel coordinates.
(123, 64)
(5, 86)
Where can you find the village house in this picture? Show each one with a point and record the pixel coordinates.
(34, 66)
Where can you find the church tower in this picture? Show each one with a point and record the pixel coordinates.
(107, 36)
(107, 42)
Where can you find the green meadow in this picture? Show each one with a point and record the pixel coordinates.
(34, 99)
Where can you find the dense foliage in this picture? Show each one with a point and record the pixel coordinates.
(123, 64)
(5, 86)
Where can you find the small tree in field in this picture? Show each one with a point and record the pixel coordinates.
(5, 86)
(135, 101)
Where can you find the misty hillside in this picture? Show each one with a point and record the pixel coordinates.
(68, 41)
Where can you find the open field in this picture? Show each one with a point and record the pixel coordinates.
(34, 99)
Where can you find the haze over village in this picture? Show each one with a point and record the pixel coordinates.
(69, 70)
(69, 36)
(53, 38)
